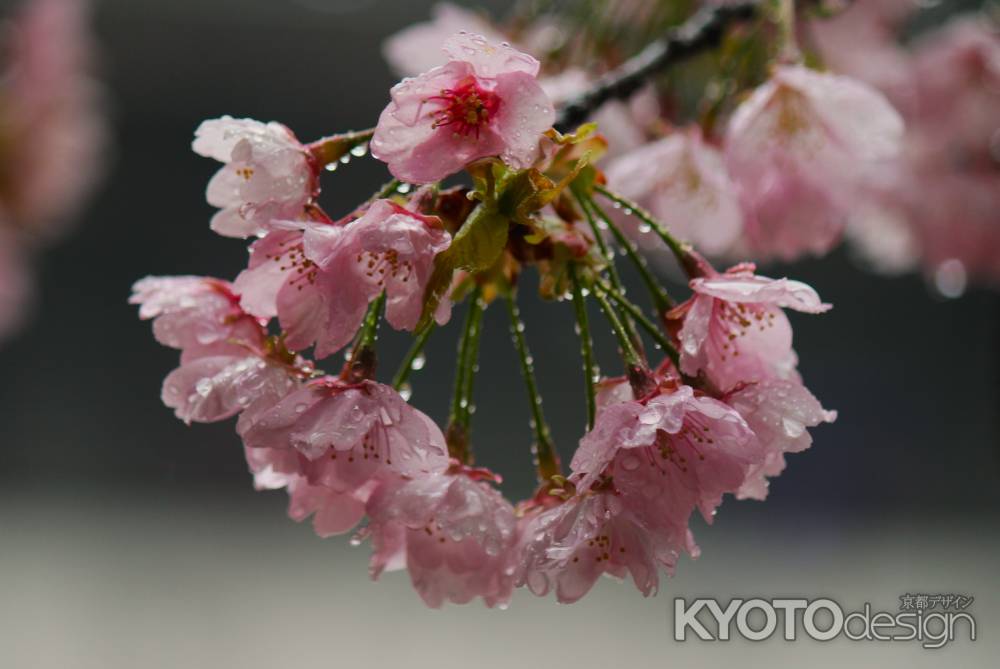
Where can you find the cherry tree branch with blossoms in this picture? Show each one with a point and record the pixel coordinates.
(710, 409)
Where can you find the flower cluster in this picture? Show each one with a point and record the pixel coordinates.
(935, 205)
(671, 437)
(50, 125)
(892, 146)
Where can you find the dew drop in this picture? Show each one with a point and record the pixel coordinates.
(418, 362)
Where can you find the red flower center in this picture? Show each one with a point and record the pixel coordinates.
(467, 107)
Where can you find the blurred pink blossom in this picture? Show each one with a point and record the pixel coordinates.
(797, 149)
(683, 182)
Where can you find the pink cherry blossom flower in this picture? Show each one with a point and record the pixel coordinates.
(567, 547)
(779, 412)
(684, 183)
(195, 312)
(485, 101)
(733, 328)
(267, 175)
(53, 123)
(226, 366)
(667, 455)
(349, 433)
(215, 387)
(455, 532)
(417, 48)
(332, 444)
(319, 278)
(797, 148)
(333, 511)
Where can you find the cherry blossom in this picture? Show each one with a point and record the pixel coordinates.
(318, 278)
(455, 532)
(267, 175)
(733, 329)
(567, 547)
(195, 312)
(796, 149)
(684, 183)
(227, 365)
(349, 432)
(417, 48)
(778, 411)
(667, 455)
(485, 101)
(53, 121)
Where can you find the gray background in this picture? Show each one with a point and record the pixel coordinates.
(128, 539)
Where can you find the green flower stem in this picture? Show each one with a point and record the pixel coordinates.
(362, 362)
(612, 272)
(661, 300)
(629, 353)
(586, 344)
(601, 244)
(406, 367)
(468, 350)
(547, 461)
(457, 434)
(647, 325)
(681, 250)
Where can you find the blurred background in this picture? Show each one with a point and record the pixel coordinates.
(130, 540)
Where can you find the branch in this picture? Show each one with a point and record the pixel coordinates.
(699, 33)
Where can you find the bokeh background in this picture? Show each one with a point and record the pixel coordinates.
(130, 540)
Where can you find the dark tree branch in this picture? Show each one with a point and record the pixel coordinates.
(702, 31)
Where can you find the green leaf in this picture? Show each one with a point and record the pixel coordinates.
(475, 248)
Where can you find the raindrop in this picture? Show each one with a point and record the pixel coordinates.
(359, 150)
(403, 189)
(418, 362)
(331, 167)
(950, 278)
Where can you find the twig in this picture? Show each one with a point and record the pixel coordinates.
(702, 31)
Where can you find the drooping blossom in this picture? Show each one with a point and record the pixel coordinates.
(798, 149)
(350, 433)
(417, 48)
(733, 329)
(667, 455)
(332, 444)
(861, 42)
(195, 312)
(453, 531)
(267, 174)
(318, 278)
(638, 475)
(684, 183)
(485, 101)
(779, 411)
(567, 547)
(227, 365)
